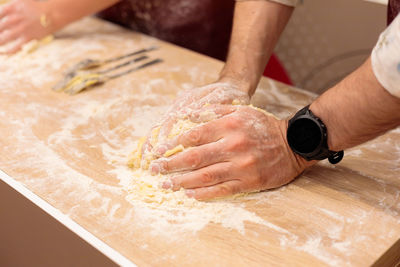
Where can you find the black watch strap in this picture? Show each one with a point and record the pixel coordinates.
(321, 151)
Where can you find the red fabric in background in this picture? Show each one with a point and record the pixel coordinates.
(393, 10)
(203, 25)
(200, 25)
(276, 71)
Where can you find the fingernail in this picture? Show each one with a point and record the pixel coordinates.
(161, 150)
(167, 184)
(189, 193)
(154, 168)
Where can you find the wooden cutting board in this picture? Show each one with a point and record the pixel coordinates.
(69, 151)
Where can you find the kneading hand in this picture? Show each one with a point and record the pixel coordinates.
(20, 22)
(244, 150)
(191, 100)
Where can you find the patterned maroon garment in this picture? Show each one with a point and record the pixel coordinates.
(393, 10)
(200, 25)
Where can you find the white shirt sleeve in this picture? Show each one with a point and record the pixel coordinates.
(386, 58)
(283, 2)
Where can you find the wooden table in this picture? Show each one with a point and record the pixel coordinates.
(55, 149)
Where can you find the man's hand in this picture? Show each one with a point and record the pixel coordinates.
(244, 150)
(20, 22)
(191, 100)
(257, 26)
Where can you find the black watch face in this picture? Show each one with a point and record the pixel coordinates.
(304, 135)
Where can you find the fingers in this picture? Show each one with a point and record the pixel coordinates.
(211, 112)
(197, 136)
(194, 99)
(211, 175)
(206, 90)
(225, 95)
(150, 140)
(145, 149)
(191, 159)
(9, 35)
(166, 127)
(157, 133)
(202, 134)
(16, 46)
(8, 21)
(224, 189)
(188, 97)
(5, 9)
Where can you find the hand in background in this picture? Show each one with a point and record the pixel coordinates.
(190, 101)
(244, 150)
(20, 22)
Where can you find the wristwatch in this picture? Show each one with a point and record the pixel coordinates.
(307, 137)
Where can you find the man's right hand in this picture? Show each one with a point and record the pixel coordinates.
(190, 101)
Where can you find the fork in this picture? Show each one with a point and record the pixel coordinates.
(88, 64)
(85, 80)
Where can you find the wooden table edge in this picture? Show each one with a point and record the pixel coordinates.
(98, 244)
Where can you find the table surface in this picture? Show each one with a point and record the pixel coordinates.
(71, 151)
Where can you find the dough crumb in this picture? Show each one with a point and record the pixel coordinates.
(173, 151)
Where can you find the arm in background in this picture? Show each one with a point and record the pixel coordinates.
(25, 20)
(256, 29)
(365, 104)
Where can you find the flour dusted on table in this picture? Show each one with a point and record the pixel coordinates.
(144, 189)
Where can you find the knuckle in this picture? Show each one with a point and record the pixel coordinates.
(239, 142)
(248, 161)
(224, 190)
(164, 166)
(193, 159)
(235, 189)
(242, 139)
(176, 184)
(206, 177)
(194, 136)
(233, 123)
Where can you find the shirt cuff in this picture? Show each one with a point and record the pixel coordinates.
(385, 58)
(283, 2)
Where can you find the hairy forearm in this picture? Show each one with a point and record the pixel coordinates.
(62, 12)
(256, 29)
(357, 109)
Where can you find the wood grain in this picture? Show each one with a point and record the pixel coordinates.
(346, 215)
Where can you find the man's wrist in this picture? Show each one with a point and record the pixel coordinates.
(332, 139)
(241, 84)
(301, 162)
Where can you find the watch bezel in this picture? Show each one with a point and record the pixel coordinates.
(321, 151)
(320, 143)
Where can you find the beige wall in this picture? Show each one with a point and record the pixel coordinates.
(325, 40)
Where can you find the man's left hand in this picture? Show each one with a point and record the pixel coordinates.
(245, 150)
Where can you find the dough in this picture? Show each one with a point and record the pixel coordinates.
(135, 160)
(145, 186)
(29, 47)
(173, 151)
